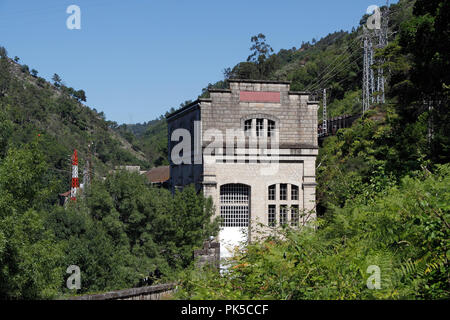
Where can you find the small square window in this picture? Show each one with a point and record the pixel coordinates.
(283, 215)
(294, 192)
(272, 192)
(294, 215)
(272, 216)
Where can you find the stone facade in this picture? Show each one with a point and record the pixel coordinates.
(274, 152)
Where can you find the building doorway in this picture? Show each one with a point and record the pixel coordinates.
(235, 215)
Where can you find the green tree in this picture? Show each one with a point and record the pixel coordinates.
(56, 80)
(25, 69)
(422, 91)
(260, 49)
(29, 254)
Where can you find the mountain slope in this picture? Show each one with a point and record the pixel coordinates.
(32, 108)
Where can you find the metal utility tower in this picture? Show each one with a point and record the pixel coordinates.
(382, 43)
(75, 181)
(371, 74)
(366, 88)
(87, 172)
(324, 125)
(86, 178)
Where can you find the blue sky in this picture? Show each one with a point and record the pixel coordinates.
(137, 58)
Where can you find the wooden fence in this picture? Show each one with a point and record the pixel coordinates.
(156, 292)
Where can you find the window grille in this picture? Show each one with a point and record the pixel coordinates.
(283, 191)
(283, 215)
(234, 193)
(234, 216)
(272, 215)
(272, 192)
(234, 209)
(294, 192)
(294, 215)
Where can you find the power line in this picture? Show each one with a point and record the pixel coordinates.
(323, 82)
(352, 43)
(324, 123)
(323, 74)
(343, 61)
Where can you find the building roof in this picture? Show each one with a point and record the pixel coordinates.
(259, 81)
(158, 174)
(190, 105)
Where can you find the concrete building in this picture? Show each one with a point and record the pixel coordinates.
(253, 149)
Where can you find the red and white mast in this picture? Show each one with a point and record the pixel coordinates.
(75, 182)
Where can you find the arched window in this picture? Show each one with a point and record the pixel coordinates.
(234, 205)
(259, 126)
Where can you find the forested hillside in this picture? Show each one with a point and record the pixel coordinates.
(32, 107)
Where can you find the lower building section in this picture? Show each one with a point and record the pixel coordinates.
(249, 201)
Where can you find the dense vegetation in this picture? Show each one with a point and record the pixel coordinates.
(403, 230)
(383, 194)
(120, 231)
(150, 138)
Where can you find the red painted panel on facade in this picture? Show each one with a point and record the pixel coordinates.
(260, 96)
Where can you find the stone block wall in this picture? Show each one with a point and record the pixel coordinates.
(297, 119)
(209, 255)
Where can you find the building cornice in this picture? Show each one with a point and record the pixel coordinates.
(259, 81)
